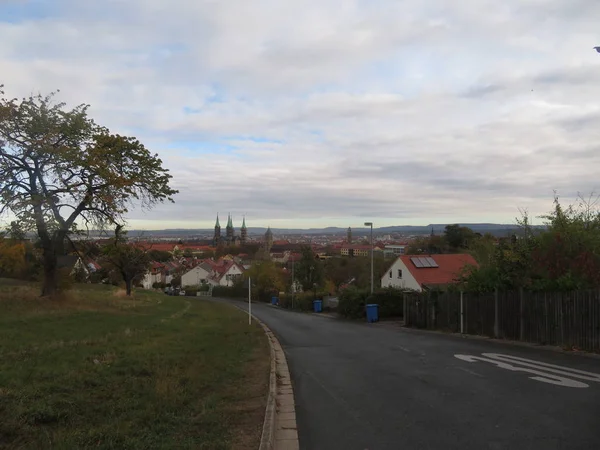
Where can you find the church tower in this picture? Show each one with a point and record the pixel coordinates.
(268, 240)
(244, 232)
(349, 236)
(229, 231)
(217, 236)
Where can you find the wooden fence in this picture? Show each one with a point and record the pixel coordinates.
(569, 320)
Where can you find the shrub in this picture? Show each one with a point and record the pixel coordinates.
(390, 302)
(303, 301)
(352, 302)
(237, 291)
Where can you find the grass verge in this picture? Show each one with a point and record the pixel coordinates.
(99, 370)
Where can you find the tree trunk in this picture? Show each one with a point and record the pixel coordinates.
(128, 283)
(50, 283)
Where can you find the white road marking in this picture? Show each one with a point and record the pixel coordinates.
(561, 370)
(542, 376)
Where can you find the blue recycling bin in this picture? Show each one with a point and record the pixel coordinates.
(372, 313)
(274, 300)
(317, 306)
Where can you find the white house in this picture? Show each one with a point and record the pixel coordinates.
(418, 272)
(196, 276)
(394, 249)
(226, 274)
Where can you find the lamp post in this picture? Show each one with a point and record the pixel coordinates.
(370, 224)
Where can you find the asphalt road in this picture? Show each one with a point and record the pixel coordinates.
(360, 386)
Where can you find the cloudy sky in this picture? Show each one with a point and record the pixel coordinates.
(305, 113)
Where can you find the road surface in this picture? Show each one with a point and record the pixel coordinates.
(360, 386)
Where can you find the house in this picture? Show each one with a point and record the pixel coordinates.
(225, 273)
(394, 249)
(153, 275)
(71, 264)
(197, 276)
(358, 250)
(420, 272)
(280, 257)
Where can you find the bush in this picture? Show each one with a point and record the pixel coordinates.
(390, 302)
(303, 301)
(352, 302)
(237, 291)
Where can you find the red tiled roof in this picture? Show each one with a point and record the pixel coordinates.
(447, 272)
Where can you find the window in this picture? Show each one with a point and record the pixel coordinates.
(399, 273)
(390, 274)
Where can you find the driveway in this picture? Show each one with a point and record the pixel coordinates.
(360, 386)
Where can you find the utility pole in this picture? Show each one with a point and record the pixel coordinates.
(249, 301)
(370, 224)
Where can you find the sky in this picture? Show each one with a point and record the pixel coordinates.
(303, 113)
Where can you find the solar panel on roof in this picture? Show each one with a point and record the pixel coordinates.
(416, 261)
(431, 262)
(424, 262)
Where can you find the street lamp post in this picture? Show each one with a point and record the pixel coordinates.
(370, 224)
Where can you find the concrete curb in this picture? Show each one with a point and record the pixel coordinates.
(279, 428)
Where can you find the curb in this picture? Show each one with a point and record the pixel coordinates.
(279, 428)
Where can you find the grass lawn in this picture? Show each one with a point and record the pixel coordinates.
(99, 370)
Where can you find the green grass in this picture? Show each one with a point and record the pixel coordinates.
(98, 370)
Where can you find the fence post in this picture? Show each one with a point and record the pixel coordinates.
(496, 320)
(521, 320)
(404, 309)
(462, 315)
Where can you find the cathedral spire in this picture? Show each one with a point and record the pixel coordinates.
(244, 233)
(217, 235)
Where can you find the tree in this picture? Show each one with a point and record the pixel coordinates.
(15, 232)
(458, 237)
(267, 278)
(129, 260)
(432, 245)
(159, 255)
(309, 270)
(59, 170)
(12, 257)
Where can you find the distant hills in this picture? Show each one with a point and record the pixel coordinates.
(406, 230)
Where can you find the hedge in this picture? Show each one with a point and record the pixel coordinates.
(352, 302)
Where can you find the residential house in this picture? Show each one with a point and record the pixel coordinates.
(226, 274)
(280, 257)
(71, 264)
(394, 249)
(154, 275)
(358, 250)
(421, 272)
(198, 275)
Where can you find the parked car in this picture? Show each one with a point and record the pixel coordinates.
(182, 292)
